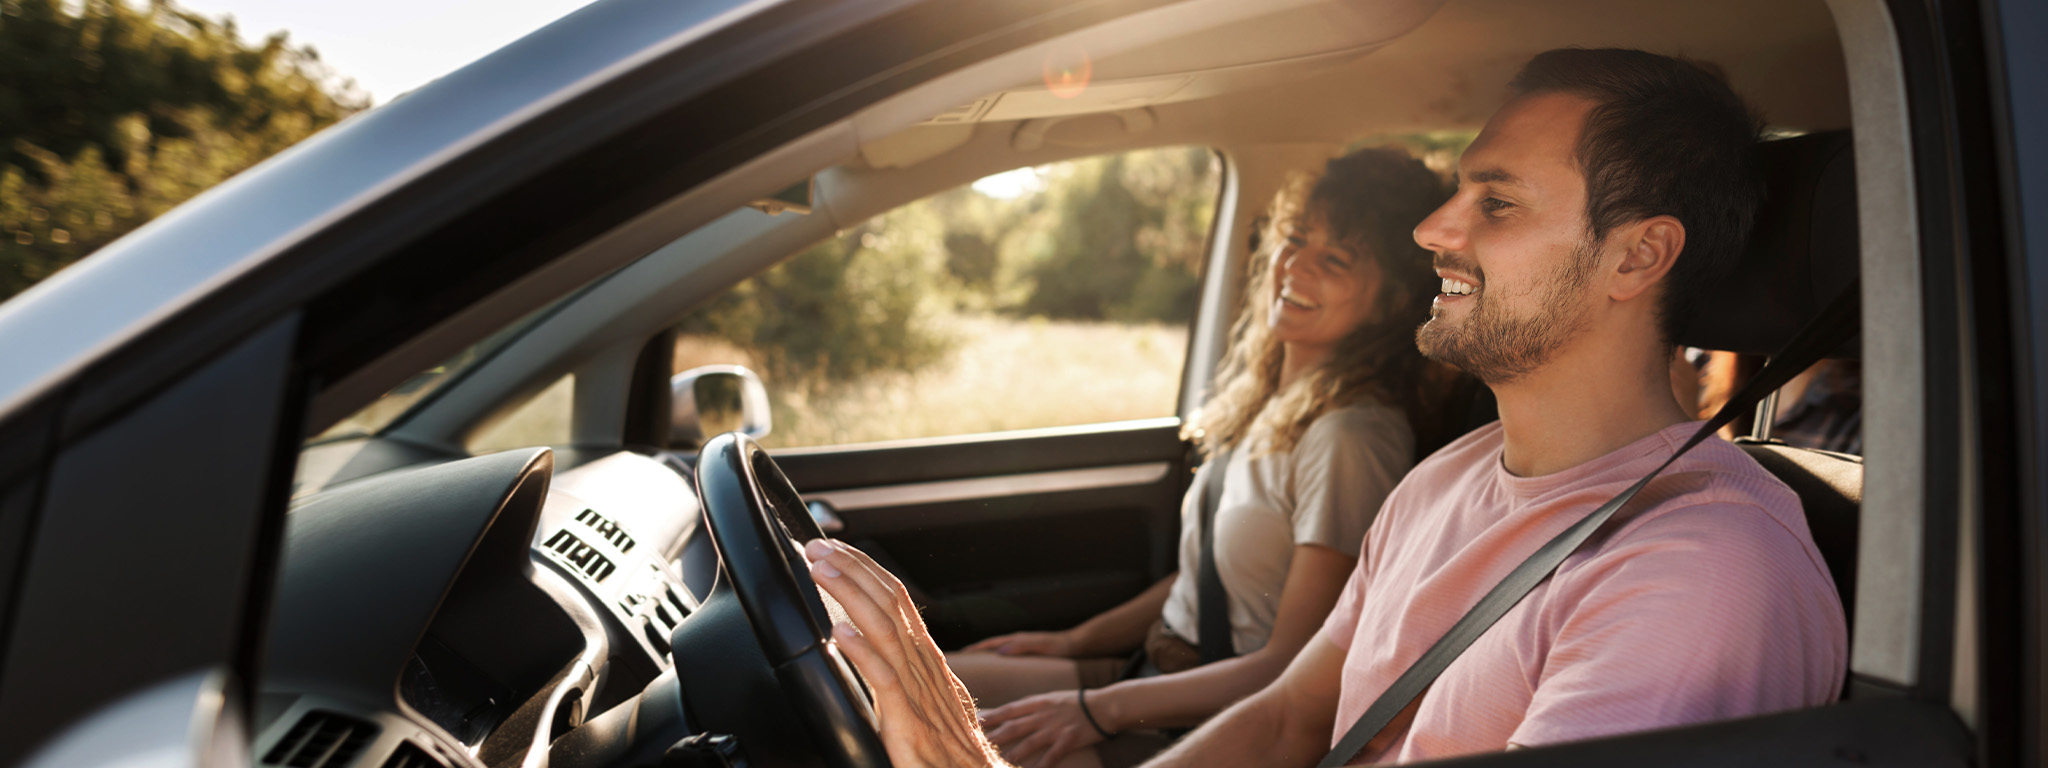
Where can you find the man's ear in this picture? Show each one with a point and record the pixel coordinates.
(1651, 247)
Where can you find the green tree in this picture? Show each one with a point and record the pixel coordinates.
(111, 115)
(1119, 237)
(863, 302)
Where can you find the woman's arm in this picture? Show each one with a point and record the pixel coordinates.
(1120, 630)
(1041, 729)
(1313, 582)
(1114, 632)
(1315, 577)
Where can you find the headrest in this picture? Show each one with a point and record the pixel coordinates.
(1801, 255)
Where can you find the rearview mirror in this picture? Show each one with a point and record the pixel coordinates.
(716, 399)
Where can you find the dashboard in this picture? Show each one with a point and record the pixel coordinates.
(472, 612)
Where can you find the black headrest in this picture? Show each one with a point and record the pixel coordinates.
(1801, 255)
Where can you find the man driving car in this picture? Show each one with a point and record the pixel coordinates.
(1612, 190)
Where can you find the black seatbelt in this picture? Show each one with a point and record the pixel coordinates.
(1828, 331)
(1212, 604)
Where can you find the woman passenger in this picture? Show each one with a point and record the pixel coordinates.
(1316, 405)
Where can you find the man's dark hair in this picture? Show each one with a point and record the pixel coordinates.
(1666, 137)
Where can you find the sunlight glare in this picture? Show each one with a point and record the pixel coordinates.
(1010, 185)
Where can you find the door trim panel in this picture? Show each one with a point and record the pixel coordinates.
(816, 471)
(986, 488)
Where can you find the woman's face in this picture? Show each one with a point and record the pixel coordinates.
(1322, 289)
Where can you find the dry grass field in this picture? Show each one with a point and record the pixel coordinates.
(1002, 374)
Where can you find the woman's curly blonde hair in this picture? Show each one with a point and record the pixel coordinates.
(1371, 199)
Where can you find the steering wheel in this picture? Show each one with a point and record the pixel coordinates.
(759, 525)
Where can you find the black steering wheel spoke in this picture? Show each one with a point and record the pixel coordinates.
(758, 524)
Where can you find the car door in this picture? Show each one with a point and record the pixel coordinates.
(1004, 532)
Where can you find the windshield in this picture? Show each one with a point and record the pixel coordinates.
(392, 406)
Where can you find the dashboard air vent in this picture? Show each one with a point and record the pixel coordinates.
(409, 755)
(321, 740)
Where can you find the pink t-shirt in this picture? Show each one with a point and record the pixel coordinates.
(1703, 599)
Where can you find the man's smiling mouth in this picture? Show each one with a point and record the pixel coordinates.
(1455, 287)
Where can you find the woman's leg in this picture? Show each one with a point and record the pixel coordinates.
(994, 680)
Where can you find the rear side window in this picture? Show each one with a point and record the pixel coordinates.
(1051, 296)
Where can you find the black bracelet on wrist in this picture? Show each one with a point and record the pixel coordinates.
(1081, 695)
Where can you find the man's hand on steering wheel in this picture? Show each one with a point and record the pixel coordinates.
(925, 716)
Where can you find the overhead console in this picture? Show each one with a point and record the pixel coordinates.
(1184, 52)
(1230, 49)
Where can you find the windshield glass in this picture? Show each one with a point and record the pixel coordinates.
(392, 406)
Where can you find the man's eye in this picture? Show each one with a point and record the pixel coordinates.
(1494, 205)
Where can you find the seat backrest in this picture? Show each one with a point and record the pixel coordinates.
(1830, 486)
(1802, 252)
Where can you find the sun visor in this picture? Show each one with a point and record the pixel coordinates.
(1802, 254)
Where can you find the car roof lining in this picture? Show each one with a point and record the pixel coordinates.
(445, 420)
(851, 190)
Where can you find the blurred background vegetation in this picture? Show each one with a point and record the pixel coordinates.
(1115, 238)
(112, 113)
(1041, 297)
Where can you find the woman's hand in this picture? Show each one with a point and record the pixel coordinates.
(924, 714)
(1039, 731)
(1028, 644)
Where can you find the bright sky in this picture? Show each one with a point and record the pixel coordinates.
(391, 46)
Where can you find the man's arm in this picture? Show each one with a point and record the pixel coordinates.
(1287, 723)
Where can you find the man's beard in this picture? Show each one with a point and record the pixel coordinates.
(1499, 347)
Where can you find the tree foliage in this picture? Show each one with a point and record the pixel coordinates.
(1115, 238)
(111, 115)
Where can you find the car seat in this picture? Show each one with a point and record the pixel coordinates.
(1802, 254)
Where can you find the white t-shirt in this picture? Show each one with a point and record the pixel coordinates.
(1325, 492)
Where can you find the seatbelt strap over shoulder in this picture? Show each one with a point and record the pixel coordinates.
(1212, 604)
(1829, 330)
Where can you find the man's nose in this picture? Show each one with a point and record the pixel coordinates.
(1441, 231)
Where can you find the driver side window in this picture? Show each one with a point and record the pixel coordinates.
(1041, 297)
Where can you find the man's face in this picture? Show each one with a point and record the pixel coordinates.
(1512, 246)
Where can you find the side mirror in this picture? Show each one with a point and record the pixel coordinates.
(713, 400)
